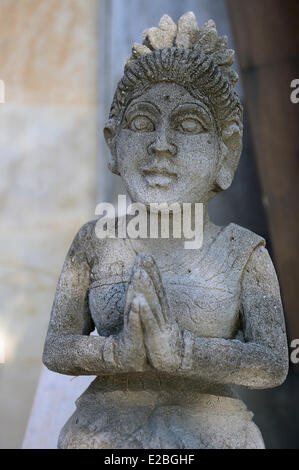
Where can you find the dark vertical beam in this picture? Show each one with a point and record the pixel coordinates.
(267, 41)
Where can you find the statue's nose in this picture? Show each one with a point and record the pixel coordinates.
(162, 146)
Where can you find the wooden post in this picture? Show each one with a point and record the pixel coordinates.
(267, 42)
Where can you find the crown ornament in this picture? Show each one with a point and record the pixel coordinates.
(187, 35)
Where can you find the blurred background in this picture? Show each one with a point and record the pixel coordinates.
(60, 62)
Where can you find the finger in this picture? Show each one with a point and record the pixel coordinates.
(148, 319)
(148, 263)
(144, 285)
(132, 286)
(141, 284)
(134, 327)
(129, 299)
(131, 304)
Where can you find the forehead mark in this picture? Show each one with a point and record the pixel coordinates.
(167, 101)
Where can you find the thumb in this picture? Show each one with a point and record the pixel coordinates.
(134, 321)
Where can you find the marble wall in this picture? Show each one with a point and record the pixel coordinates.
(48, 167)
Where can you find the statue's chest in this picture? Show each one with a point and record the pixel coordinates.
(204, 300)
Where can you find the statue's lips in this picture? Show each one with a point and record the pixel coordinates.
(159, 177)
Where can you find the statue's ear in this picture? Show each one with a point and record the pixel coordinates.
(110, 135)
(230, 150)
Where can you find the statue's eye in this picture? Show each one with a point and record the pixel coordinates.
(190, 126)
(142, 124)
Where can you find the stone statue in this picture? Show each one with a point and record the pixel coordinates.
(177, 329)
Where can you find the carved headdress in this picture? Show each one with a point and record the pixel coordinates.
(194, 58)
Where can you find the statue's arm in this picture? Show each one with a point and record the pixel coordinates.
(68, 348)
(262, 360)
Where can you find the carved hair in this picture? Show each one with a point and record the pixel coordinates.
(196, 59)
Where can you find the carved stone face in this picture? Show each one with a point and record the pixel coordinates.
(167, 147)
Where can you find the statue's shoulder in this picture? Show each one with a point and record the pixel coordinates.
(239, 243)
(86, 233)
(86, 239)
(92, 237)
(255, 258)
(243, 236)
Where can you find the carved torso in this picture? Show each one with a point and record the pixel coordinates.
(204, 297)
(158, 410)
